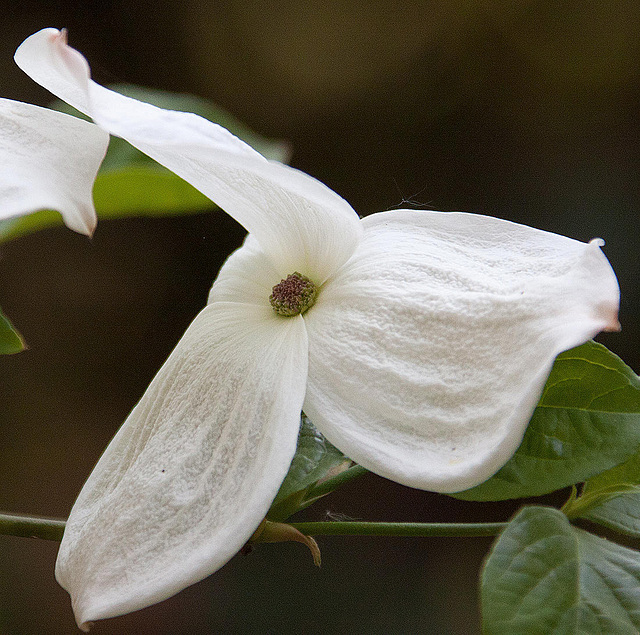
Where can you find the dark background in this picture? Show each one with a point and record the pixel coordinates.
(526, 110)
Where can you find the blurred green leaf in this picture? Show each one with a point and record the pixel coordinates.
(120, 194)
(545, 576)
(10, 340)
(131, 184)
(587, 421)
(315, 460)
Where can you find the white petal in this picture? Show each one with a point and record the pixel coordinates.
(49, 161)
(428, 351)
(302, 224)
(247, 276)
(192, 472)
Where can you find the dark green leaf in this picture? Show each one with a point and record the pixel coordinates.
(609, 586)
(530, 578)
(132, 184)
(545, 576)
(315, 460)
(627, 473)
(616, 495)
(587, 421)
(621, 513)
(10, 340)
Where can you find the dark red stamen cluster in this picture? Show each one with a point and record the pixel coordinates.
(293, 295)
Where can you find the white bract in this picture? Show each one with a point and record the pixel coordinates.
(422, 358)
(50, 161)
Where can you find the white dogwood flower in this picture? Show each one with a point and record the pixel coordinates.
(417, 342)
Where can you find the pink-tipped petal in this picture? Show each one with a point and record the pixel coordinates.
(300, 223)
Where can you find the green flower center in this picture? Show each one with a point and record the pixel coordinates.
(293, 295)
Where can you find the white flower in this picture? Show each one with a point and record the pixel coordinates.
(422, 358)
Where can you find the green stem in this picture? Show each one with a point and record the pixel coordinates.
(52, 529)
(350, 528)
(31, 527)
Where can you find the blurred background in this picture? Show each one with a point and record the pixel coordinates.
(522, 109)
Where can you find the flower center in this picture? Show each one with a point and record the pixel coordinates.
(293, 295)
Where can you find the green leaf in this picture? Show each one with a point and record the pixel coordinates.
(609, 584)
(621, 513)
(627, 473)
(135, 191)
(545, 576)
(315, 460)
(131, 184)
(530, 578)
(10, 340)
(616, 498)
(587, 421)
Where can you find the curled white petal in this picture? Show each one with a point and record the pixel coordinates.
(428, 351)
(300, 223)
(49, 161)
(193, 470)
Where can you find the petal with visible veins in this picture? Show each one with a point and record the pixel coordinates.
(428, 351)
(193, 470)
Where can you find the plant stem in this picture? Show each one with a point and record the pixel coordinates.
(51, 529)
(31, 527)
(338, 528)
